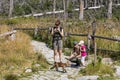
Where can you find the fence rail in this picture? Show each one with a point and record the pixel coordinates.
(101, 37)
(30, 28)
(67, 34)
(9, 35)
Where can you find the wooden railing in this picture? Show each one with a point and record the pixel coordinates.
(9, 35)
(90, 37)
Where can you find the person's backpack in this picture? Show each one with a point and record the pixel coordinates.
(60, 28)
(50, 30)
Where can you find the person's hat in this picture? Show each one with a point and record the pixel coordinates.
(75, 42)
(81, 42)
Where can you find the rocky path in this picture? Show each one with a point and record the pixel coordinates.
(72, 72)
(52, 74)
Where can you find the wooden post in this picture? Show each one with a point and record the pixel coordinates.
(95, 51)
(81, 9)
(89, 38)
(65, 38)
(35, 32)
(88, 46)
(93, 38)
(93, 32)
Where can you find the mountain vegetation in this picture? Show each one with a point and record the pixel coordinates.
(76, 17)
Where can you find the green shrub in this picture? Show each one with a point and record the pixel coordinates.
(97, 69)
(11, 77)
(106, 78)
(115, 56)
(67, 51)
(18, 10)
(11, 21)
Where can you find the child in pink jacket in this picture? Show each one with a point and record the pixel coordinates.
(83, 52)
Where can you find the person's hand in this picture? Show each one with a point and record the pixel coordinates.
(58, 30)
(55, 30)
(78, 56)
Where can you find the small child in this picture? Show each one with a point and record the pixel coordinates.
(83, 52)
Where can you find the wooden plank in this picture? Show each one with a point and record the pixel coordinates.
(24, 29)
(101, 37)
(30, 28)
(8, 33)
(70, 34)
(95, 53)
(107, 50)
(107, 38)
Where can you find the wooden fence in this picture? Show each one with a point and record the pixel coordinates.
(89, 36)
(9, 35)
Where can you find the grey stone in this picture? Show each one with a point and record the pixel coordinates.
(88, 78)
(107, 61)
(28, 70)
(117, 73)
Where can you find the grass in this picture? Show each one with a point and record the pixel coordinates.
(98, 69)
(16, 55)
(106, 78)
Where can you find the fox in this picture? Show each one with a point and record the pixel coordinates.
(60, 64)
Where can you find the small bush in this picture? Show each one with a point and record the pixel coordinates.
(106, 78)
(11, 21)
(11, 77)
(116, 56)
(67, 51)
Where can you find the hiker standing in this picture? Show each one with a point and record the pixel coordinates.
(57, 33)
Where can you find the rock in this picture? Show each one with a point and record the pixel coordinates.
(107, 61)
(88, 78)
(117, 73)
(28, 70)
(37, 65)
(64, 78)
(106, 75)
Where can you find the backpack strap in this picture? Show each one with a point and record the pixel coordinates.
(61, 28)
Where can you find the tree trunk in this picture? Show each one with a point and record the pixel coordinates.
(0, 7)
(64, 5)
(54, 7)
(10, 9)
(95, 2)
(101, 2)
(67, 7)
(109, 14)
(86, 3)
(81, 10)
(118, 1)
